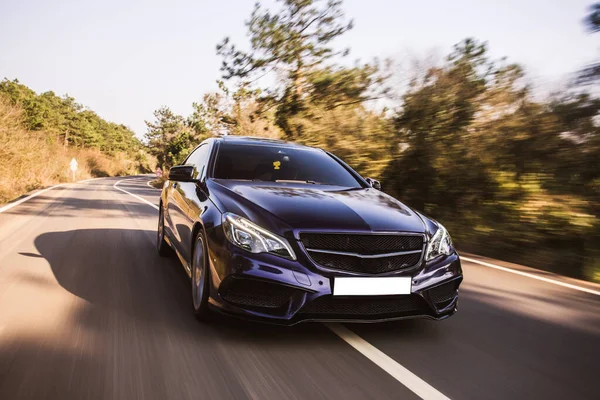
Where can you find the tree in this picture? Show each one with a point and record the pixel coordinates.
(433, 133)
(249, 117)
(68, 122)
(512, 175)
(212, 114)
(169, 139)
(239, 113)
(592, 20)
(577, 163)
(26, 98)
(591, 73)
(292, 41)
(290, 44)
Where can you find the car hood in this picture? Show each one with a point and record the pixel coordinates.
(315, 207)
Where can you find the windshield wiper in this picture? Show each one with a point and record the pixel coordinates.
(297, 181)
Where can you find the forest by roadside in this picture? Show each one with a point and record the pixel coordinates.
(513, 174)
(41, 133)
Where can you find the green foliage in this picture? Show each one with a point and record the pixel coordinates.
(333, 87)
(31, 159)
(576, 161)
(211, 114)
(591, 73)
(67, 122)
(292, 44)
(592, 20)
(295, 39)
(249, 117)
(359, 136)
(511, 175)
(170, 137)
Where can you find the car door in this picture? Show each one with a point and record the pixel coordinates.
(175, 216)
(192, 195)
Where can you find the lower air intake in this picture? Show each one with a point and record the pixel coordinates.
(357, 307)
(443, 294)
(255, 293)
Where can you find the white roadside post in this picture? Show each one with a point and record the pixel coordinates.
(73, 167)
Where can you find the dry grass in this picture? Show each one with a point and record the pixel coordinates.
(31, 160)
(158, 183)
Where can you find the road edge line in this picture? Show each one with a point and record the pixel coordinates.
(532, 276)
(91, 179)
(134, 195)
(379, 358)
(31, 196)
(150, 186)
(388, 364)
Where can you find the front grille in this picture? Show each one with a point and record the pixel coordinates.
(362, 244)
(340, 307)
(443, 295)
(255, 293)
(365, 265)
(323, 248)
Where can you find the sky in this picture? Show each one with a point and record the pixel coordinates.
(124, 58)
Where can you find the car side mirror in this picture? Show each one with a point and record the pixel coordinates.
(374, 183)
(182, 173)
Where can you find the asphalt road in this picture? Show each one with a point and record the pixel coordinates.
(89, 310)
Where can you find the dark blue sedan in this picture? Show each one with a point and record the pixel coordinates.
(280, 232)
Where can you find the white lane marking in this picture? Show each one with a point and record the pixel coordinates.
(532, 276)
(31, 196)
(89, 180)
(134, 195)
(150, 186)
(388, 364)
(383, 361)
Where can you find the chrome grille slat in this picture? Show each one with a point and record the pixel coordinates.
(343, 253)
(364, 253)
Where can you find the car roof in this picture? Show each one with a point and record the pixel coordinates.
(257, 141)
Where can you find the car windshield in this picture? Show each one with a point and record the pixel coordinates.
(280, 164)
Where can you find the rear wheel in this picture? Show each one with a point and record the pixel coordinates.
(200, 278)
(164, 250)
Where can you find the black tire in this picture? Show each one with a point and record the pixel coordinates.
(163, 248)
(200, 279)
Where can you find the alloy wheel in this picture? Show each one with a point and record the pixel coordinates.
(198, 273)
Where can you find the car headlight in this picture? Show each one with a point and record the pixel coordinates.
(440, 244)
(251, 237)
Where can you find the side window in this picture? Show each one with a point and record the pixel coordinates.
(199, 159)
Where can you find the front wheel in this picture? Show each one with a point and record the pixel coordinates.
(163, 248)
(200, 279)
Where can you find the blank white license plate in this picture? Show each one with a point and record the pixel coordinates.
(376, 286)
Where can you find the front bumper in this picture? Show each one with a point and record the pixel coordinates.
(272, 289)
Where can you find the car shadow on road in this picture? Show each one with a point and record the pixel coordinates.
(134, 333)
(119, 271)
(74, 206)
(131, 331)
